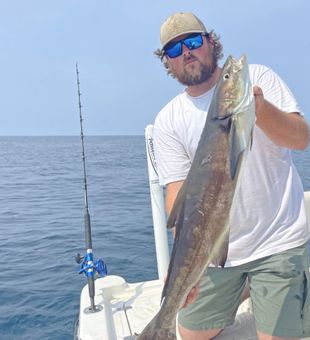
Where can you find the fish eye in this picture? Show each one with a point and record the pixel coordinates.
(226, 76)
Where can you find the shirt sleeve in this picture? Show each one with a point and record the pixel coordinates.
(275, 89)
(173, 162)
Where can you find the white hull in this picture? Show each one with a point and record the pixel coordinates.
(127, 308)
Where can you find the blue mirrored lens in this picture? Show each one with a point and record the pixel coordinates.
(174, 49)
(193, 42)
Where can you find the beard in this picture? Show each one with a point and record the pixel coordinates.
(196, 74)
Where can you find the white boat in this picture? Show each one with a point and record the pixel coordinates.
(126, 308)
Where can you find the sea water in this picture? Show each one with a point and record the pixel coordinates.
(42, 226)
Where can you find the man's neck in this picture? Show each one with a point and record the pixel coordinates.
(198, 90)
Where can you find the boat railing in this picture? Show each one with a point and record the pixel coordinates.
(158, 207)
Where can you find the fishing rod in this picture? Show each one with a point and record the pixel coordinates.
(89, 267)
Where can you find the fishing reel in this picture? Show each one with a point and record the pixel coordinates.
(89, 266)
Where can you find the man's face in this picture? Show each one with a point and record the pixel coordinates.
(193, 67)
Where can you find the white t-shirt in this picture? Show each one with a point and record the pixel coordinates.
(269, 215)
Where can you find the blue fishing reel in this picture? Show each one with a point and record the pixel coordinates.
(90, 267)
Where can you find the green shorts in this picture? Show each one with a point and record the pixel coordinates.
(279, 289)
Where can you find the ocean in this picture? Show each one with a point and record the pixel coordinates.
(42, 226)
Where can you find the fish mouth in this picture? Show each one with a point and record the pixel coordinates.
(225, 116)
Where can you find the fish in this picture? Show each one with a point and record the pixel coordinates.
(204, 204)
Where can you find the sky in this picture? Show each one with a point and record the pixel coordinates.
(123, 84)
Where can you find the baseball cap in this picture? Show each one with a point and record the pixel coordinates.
(178, 24)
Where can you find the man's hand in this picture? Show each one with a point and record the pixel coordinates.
(192, 295)
(286, 129)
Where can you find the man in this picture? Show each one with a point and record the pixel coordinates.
(268, 229)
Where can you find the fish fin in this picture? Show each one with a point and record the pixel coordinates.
(251, 140)
(177, 208)
(224, 253)
(236, 148)
(220, 260)
(220, 256)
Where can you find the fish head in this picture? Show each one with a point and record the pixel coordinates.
(232, 86)
(233, 104)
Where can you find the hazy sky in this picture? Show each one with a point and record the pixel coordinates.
(123, 85)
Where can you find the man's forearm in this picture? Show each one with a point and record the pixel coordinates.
(289, 130)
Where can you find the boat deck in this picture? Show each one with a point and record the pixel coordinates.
(127, 308)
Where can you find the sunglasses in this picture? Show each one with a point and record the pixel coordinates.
(174, 48)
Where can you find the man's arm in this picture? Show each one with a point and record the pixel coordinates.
(171, 194)
(289, 130)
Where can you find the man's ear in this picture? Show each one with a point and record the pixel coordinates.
(211, 41)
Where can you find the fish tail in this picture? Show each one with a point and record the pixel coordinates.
(155, 331)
